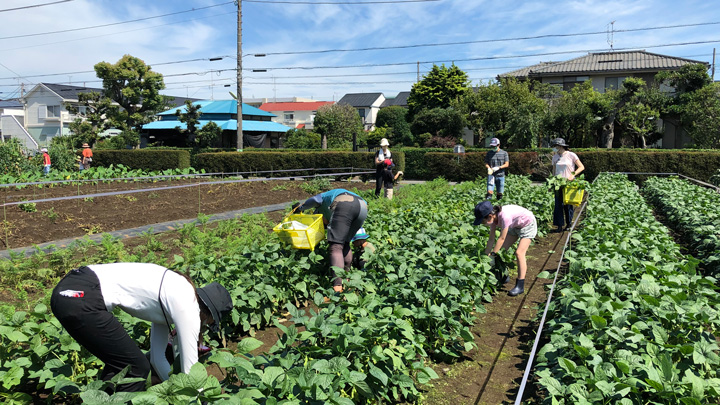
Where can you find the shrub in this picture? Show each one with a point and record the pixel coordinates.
(146, 159)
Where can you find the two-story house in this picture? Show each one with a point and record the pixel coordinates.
(608, 70)
(367, 105)
(295, 114)
(12, 119)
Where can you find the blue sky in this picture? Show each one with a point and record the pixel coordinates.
(277, 28)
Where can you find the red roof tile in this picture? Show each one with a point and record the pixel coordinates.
(297, 106)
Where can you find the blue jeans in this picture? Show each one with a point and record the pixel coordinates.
(563, 214)
(46, 170)
(496, 182)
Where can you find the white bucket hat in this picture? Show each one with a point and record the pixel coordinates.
(384, 142)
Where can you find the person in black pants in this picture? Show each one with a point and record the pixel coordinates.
(380, 157)
(84, 299)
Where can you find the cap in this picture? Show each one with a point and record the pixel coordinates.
(218, 301)
(360, 234)
(384, 142)
(388, 162)
(494, 142)
(85, 145)
(558, 141)
(482, 210)
(43, 150)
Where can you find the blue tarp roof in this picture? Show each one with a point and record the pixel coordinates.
(221, 107)
(227, 125)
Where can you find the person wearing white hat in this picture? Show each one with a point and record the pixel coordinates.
(380, 157)
(46, 161)
(361, 245)
(496, 161)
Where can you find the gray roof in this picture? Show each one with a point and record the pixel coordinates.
(70, 92)
(172, 101)
(400, 99)
(523, 73)
(616, 62)
(360, 99)
(15, 103)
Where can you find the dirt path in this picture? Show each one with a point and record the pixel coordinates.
(504, 335)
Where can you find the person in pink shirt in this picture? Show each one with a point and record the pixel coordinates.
(515, 223)
(565, 164)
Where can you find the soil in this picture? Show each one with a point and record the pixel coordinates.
(492, 373)
(78, 217)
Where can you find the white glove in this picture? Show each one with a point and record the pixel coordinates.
(494, 169)
(492, 261)
(490, 171)
(400, 173)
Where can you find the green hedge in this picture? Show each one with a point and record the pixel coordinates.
(248, 161)
(146, 159)
(698, 165)
(427, 165)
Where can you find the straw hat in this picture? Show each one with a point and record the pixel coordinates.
(85, 145)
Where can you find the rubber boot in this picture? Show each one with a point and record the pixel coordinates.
(519, 288)
(499, 196)
(488, 196)
(389, 193)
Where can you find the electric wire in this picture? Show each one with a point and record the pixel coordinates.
(34, 6)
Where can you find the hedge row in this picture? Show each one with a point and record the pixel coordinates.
(427, 164)
(146, 159)
(229, 162)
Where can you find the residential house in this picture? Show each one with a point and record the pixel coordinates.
(45, 113)
(259, 130)
(367, 105)
(399, 100)
(295, 114)
(257, 102)
(608, 70)
(12, 120)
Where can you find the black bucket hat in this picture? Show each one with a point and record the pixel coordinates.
(218, 301)
(559, 141)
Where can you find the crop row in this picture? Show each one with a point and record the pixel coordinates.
(97, 173)
(634, 322)
(420, 292)
(692, 210)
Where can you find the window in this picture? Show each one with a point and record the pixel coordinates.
(53, 111)
(361, 111)
(611, 83)
(289, 116)
(82, 110)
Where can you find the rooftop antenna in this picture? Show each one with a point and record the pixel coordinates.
(611, 35)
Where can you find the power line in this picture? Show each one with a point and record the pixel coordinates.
(116, 23)
(34, 5)
(338, 2)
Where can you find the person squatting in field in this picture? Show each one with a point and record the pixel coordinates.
(84, 299)
(343, 212)
(515, 223)
(496, 162)
(389, 179)
(361, 245)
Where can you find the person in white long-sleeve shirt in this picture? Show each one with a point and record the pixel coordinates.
(84, 299)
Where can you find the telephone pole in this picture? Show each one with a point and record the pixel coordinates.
(239, 141)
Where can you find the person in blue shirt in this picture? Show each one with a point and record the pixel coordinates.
(343, 212)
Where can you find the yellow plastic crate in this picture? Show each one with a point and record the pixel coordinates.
(306, 238)
(572, 195)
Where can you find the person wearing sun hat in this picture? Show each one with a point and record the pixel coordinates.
(516, 224)
(380, 157)
(361, 245)
(87, 156)
(568, 165)
(496, 162)
(46, 161)
(84, 299)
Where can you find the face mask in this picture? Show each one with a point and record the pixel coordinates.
(555, 150)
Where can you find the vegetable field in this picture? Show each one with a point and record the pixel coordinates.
(635, 321)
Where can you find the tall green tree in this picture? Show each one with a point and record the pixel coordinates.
(442, 122)
(301, 139)
(510, 110)
(92, 119)
(191, 118)
(438, 88)
(639, 110)
(135, 87)
(394, 118)
(337, 124)
(572, 117)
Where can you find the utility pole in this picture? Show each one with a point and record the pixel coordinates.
(418, 71)
(713, 66)
(239, 141)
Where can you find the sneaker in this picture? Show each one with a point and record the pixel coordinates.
(516, 291)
